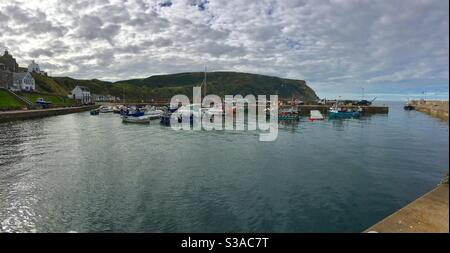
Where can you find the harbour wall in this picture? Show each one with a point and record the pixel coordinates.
(434, 108)
(427, 214)
(32, 114)
(306, 109)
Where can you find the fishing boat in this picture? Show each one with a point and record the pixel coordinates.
(139, 120)
(288, 114)
(342, 112)
(408, 107)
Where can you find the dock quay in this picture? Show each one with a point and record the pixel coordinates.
(434, 108)
(427, 214)
(32, 114)
(306, 109)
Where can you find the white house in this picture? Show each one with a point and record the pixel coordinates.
(82, 94)
(34, 68)
(23, 81)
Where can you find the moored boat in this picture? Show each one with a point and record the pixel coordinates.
(153, 113)
(106, 109)
(139, 120)
(94, 112)
(288, 114)
(343, 112)
(118, 109)
(315, 115)
(408, 107)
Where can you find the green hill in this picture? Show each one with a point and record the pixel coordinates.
(8, 102)
(166, 86)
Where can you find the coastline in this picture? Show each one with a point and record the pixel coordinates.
(33, 114)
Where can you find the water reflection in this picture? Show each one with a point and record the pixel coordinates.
(19, 142)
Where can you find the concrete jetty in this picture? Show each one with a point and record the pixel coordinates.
(32, 114)
(427, 214)
(306, 109)
(434, 108)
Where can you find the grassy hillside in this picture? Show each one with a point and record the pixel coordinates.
(226, 83)
(57, 100)
(49, 85)
(166, 86)
(8, 102)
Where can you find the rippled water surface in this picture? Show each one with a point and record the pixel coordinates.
(95, 174)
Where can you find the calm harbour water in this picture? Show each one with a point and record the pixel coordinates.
(95, 174)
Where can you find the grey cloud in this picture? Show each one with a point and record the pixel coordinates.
(41, 52)
(92, 27)
(31, 22)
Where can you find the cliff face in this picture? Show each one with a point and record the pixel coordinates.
(166, 86)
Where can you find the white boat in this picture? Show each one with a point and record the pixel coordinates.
(316, 115)
(140, 120)
(153, 113)
(106, 109)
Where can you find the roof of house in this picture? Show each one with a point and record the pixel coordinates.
(83, 88)
(19, 76)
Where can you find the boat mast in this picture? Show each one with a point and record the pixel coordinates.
(204, 81)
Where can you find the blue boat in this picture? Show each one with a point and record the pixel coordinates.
(342, 113)
(133, 112)
(136, 114)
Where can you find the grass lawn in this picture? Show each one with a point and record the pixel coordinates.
(60, 101)
(8, 102)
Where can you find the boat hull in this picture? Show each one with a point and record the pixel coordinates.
(94, 112)
(342, 115)
(136, 120)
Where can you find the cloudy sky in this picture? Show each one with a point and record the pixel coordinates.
(337, 46)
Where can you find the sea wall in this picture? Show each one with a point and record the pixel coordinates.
(32, 114)
(434, 108)
(306, 109)
(427, 214)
